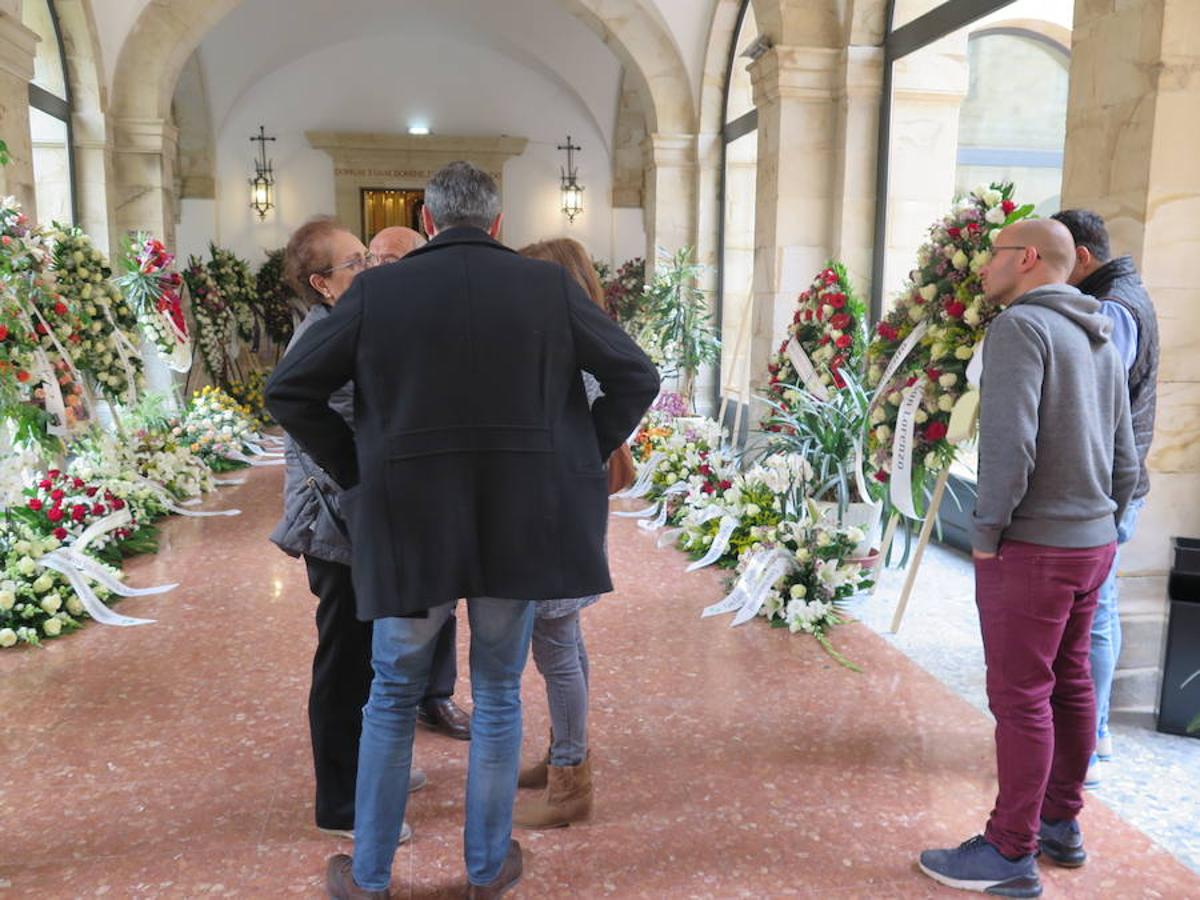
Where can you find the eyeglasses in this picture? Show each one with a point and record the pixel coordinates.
(996, 247)
(356, 264)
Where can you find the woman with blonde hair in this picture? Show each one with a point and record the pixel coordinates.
(564, 776)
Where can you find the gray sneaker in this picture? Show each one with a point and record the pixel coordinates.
(975, 865)
(1062, 842)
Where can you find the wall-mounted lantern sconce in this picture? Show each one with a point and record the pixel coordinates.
(572, 190)
(262, 185)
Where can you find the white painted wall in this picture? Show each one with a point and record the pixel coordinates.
(353, 86)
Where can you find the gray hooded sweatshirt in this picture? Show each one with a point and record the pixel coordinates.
(1057, 462)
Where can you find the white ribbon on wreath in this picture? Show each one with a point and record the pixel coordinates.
(903, 444)
(901, 354)
(238, 456)
(763, 569)
(168, 500)
(77, 569)
(680, 487)
(720, 544)
(641, 486)
(806, 370)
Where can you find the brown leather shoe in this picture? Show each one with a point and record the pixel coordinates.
(444, 715)
(339, 881)
(510, 874)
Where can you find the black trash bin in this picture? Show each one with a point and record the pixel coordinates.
(1179, 702)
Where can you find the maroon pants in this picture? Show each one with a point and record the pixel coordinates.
(1035, 611)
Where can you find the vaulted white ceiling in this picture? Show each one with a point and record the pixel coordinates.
(262, 35)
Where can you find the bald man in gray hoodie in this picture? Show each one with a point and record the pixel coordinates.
(1057, 467)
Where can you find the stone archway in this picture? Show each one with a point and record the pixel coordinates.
(168, 31)
(93, 152)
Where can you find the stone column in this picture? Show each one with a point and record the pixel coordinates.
(670, 194)
(145, 153)
(17, 49)
(1130, 155)
(795, 90)
(860, 91)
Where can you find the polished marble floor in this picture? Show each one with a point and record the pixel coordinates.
(172, 760)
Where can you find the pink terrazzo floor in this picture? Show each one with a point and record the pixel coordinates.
(172, 760)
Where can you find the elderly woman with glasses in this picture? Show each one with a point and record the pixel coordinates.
(320, 262)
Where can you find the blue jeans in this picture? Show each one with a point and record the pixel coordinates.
(402, 655)
(561, 657)
(1106, 626)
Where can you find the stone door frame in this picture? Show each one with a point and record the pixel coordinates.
(402, 162)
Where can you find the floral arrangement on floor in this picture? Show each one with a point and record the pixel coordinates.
(822, 575)
(109, 337)
(35, 602)
(238, 287)
(275, 300)
(216, 326)
(145, 453)
(250, 394)
(943, 305)
(829, 331)
(688, 447)
(63, 533)
(153, 290)
(63, 505)
(216, 428)
(755, 499)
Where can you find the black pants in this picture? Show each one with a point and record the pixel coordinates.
(341, 681)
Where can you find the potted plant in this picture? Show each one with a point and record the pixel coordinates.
(827, 434)
(679, 333)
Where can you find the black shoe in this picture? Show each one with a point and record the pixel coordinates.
(443, 715)
(1062, 843)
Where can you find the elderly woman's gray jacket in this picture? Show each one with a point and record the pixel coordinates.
(307, 527)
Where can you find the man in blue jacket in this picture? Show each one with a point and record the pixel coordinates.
(1123, 298)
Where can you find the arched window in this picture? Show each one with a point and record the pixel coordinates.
(1012, 125)
(972, 94)
(50, 118)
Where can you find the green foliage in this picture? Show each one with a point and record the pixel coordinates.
(5, 159)
(153, 413)
(679, 333)
(826, 433)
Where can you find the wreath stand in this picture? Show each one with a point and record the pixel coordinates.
(742, 388)
(963, 429)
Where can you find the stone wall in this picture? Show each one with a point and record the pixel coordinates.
(1131, 156)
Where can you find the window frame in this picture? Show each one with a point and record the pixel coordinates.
(730, 132)
(60, 108)
(922, 31)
